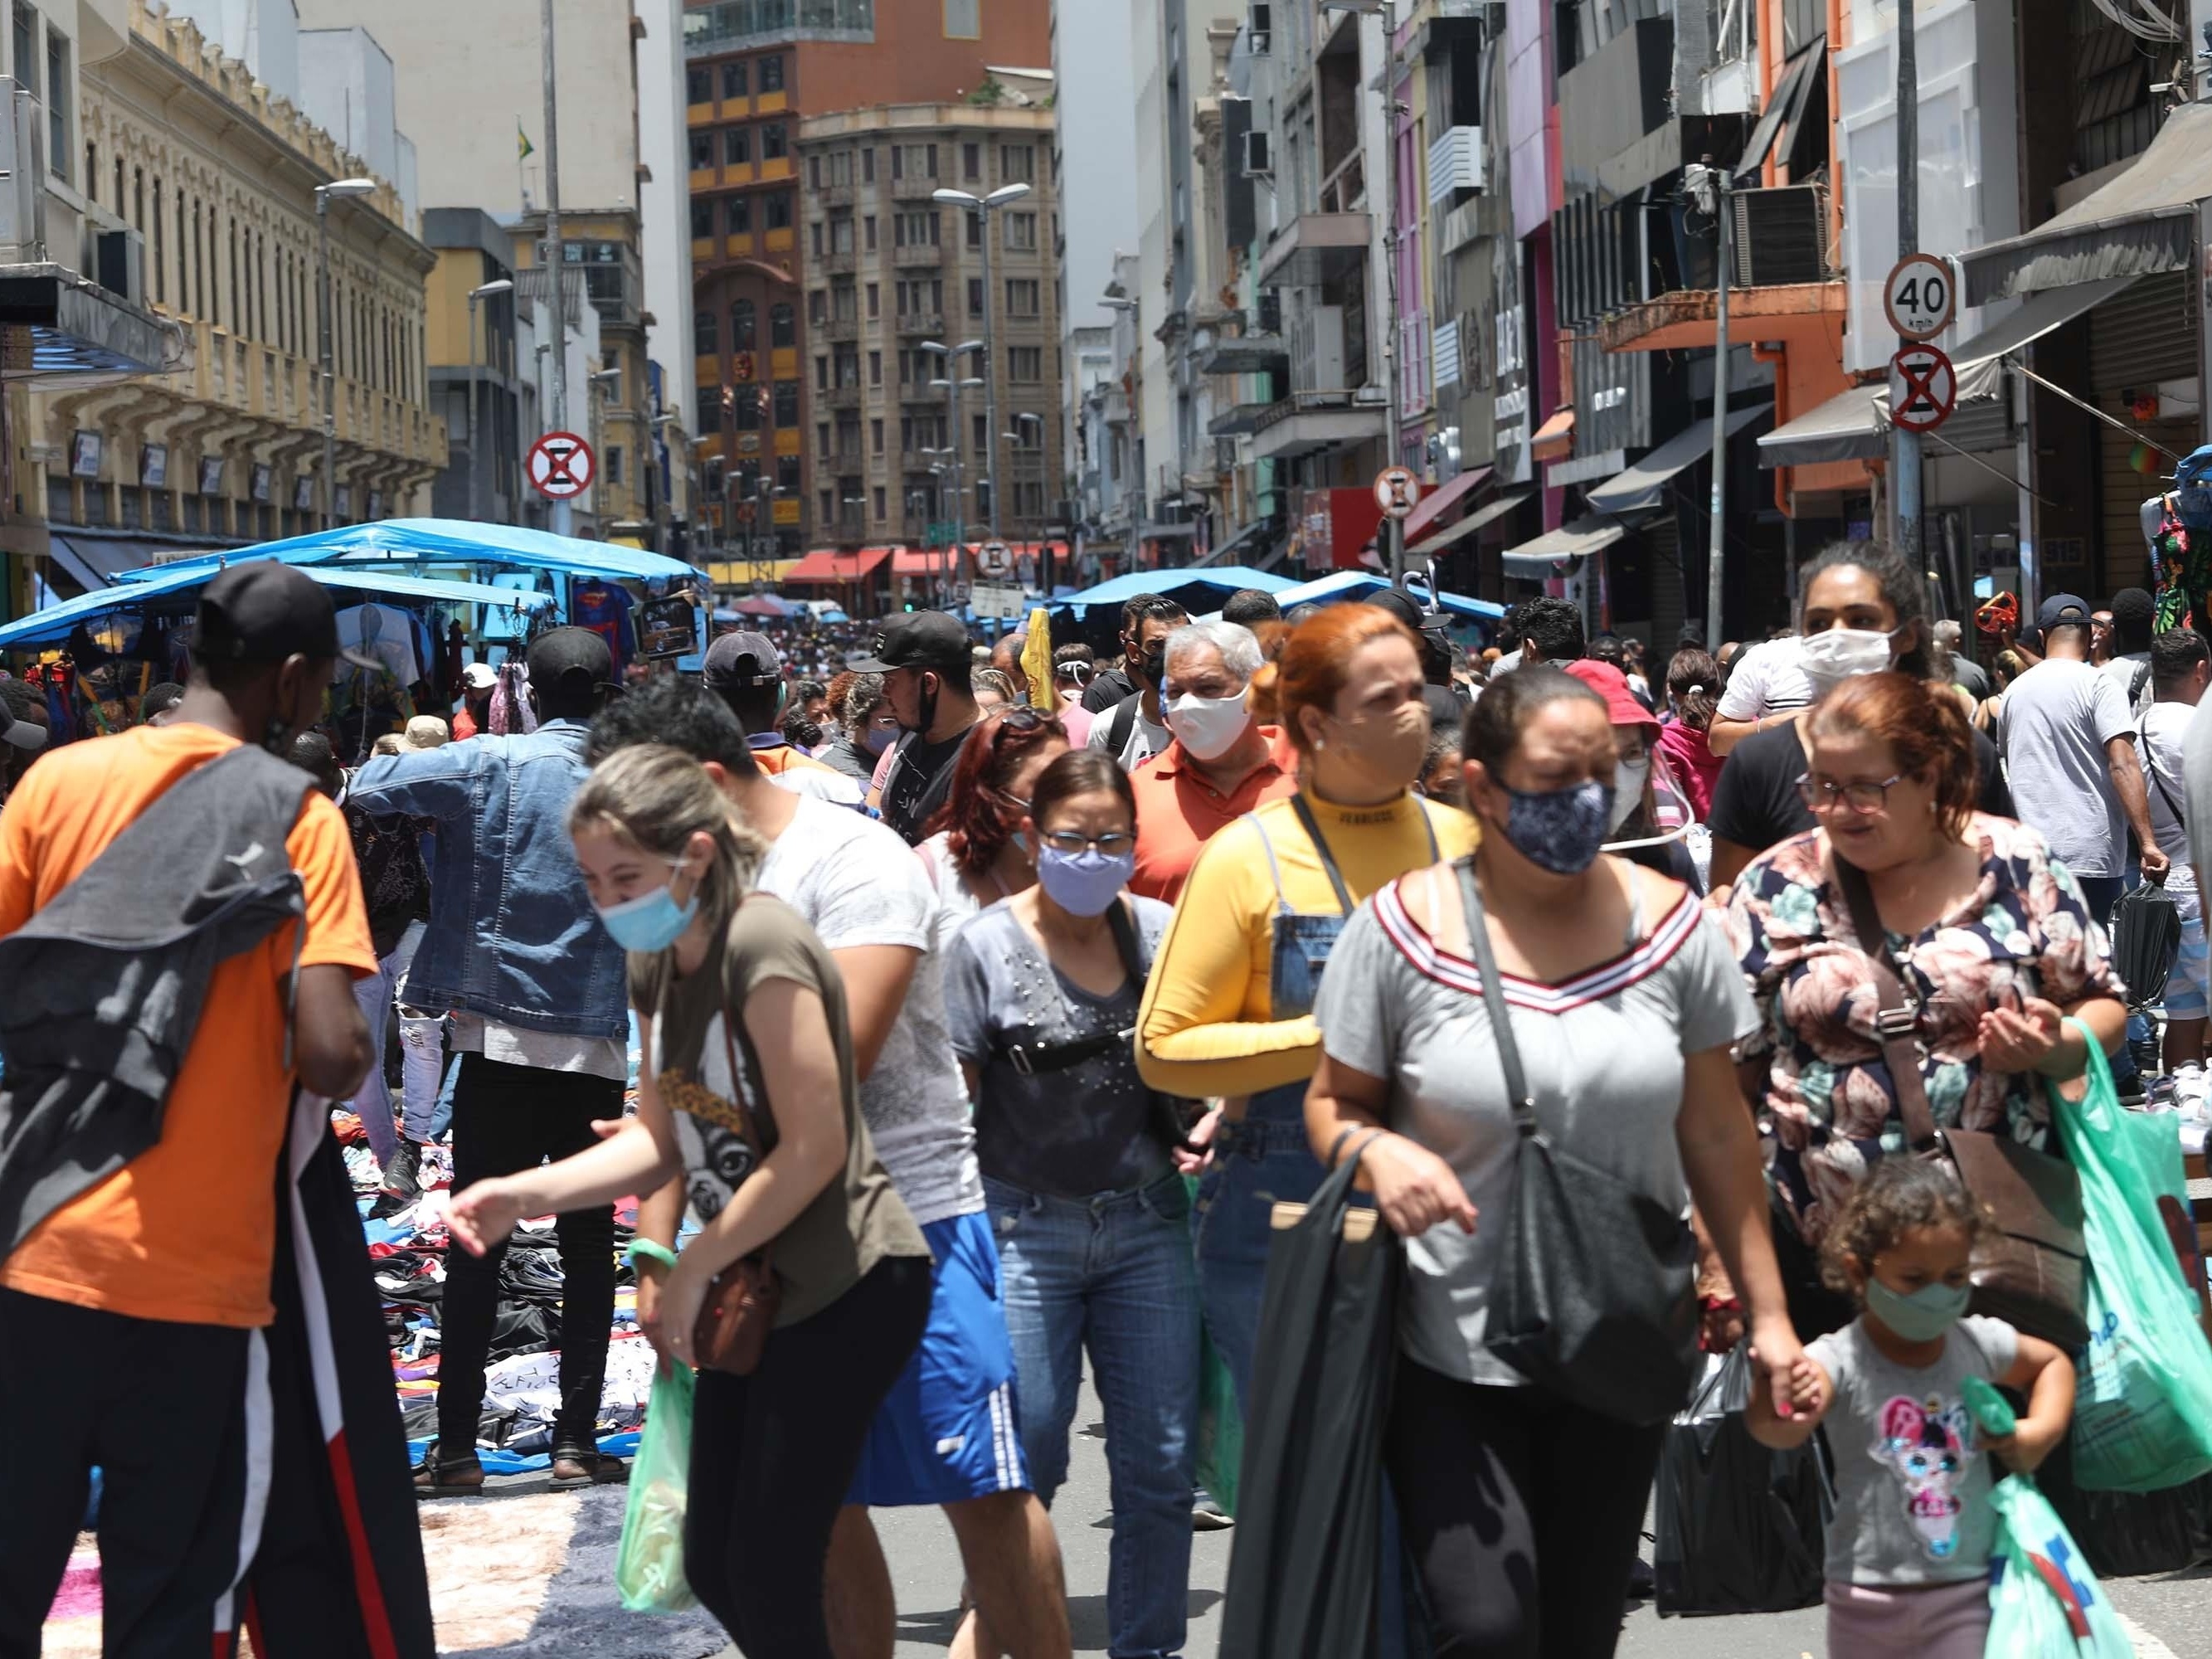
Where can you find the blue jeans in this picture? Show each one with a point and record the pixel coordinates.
(375, 995)
(1112, 1275)
(1265, 1160)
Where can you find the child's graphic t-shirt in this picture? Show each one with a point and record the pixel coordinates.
(1913, 1482)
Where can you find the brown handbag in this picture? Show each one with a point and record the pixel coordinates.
(743, 1299)
(2031, 1277)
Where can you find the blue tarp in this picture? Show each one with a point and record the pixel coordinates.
(1359, 584)
(455, 541)
(1227, 580)
(53, 625)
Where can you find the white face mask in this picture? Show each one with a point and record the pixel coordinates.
(1207, 727)
(1840, 653)
(1628, 777)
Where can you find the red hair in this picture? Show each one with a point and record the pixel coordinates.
(1923, 726)
(979, 815)
(1313, 668)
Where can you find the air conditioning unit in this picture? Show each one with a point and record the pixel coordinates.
(1259, 156)
(1263, 28)
(1781, 235)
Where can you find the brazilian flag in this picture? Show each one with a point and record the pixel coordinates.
(523, 149)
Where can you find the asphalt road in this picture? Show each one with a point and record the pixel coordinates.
(2170, 1618)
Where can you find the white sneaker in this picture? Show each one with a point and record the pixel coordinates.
(2190, 1085)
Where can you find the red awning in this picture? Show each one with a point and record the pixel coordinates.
(931, 561)
(1432, 509)
(826, 567)
(1555, 438)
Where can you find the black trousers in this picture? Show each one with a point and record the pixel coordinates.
(773, 1456)
(1521, 1513)
(507, 1119)
(175, 1416)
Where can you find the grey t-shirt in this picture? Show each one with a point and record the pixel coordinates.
(1913, 1482)
(1603, 1055)
(857, 883)
(2161, 746)
(2057, 719)
(2197, 774)
(1070, 1134)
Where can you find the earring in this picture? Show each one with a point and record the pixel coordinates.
(1319, 745)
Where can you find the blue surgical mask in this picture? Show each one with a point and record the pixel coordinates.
(1559, 830)
(880, 737)
(651, 922)
(1922, 1317)
(1083, 884)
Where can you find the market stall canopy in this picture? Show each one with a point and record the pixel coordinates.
(825, 565)
(457, 541)
(1584, 535)
(1343, 584)
(1854, 424)
(1643, 485)
(2142, 222)
(1223, 579)
(174, 583)
(1488, 514)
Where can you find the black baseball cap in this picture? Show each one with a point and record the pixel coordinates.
(21, 735)
(917, 639)
(265, 611)
(741, 659)
(569, 654)
(2061, 609)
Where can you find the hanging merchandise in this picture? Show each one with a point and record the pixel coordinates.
(605, 609)
(667, 627)
(2044, 1603)
(1303, 1580)
(511, 710)
(383, 632)
(1741, 1526)
(2142, 1412)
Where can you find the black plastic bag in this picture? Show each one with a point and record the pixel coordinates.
(1741, 1526)
(2146, 941)
(1303, 1583)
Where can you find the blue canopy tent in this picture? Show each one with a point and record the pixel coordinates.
(1223, 581)
(451, 541)
(167, 588)
(1359, 584)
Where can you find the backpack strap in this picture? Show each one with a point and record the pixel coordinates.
(1123, 723)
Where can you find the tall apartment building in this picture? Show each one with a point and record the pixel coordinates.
(892, 274)
(753, 70)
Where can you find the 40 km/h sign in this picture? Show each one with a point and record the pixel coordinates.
(1919, 296)
(560, 466)
(1924, 388)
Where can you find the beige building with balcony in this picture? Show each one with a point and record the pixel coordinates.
(213, 178)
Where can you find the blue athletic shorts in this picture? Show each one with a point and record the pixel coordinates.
(948, 1430)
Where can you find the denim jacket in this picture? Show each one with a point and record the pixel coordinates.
(513, 935)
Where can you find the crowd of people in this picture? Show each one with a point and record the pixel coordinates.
(956, 1018)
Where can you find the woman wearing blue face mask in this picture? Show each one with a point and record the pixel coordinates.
(749, 1093)
(1519, 1508)
(866, 727)
(1092, 1220)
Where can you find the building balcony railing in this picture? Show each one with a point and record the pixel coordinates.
(838, 262)
(839, 196)
(918, 256)
(925, 325)
(839, 330)
(913, 190)
(842, 397)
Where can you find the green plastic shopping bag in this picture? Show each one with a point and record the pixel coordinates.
(2143, 1409)
(2044, 1603)
(1220, 1424)
(649, 1563)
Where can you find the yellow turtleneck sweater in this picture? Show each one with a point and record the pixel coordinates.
(1207, 1027)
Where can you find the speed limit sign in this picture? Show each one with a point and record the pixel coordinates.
(1919, 296)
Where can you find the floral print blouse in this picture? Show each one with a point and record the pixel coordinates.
(2025, 931)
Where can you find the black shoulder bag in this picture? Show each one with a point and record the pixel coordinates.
(1593, 1297)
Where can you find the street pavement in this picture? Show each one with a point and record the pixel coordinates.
(2170, 1617)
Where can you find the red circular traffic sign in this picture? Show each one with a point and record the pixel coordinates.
(1397, 492)
(560, 466)
(1924, 388)
(1920, 296)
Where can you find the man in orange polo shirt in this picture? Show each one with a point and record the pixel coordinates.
(1222, 763)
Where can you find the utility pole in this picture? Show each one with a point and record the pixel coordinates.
(1394, 529)
(990, 374)
(561, 521)
(1904, 446)
(1717, 180)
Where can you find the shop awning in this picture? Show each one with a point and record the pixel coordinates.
(1431, 509)
(926, 562)
(1224, 579)
(1340, 585)
(738, 572)
(1488, 513)
(1785, 108)
(1584, 535)
(1555, 438)
(826, 566)
(2142, 222)
(1854, 424)
(461, 541)
(1239, 541)
(1645, 485)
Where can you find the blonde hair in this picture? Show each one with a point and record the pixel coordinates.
(656, 798)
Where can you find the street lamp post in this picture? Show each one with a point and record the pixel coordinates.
(324, 193)
(484, 291)
(983, 207)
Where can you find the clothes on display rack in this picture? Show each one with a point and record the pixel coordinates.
(605, 609)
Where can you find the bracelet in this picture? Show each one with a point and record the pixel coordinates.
(642, 1250)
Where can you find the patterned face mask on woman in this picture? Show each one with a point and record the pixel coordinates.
(1559, 830)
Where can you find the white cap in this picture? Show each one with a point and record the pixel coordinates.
(480, 677)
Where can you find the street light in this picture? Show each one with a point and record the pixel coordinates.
(983, 207)
(324, 195)
(483, 291)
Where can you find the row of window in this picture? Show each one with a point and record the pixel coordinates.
(745, 407)
(782, 328)
(921, 501)
(736, 216)
(917, 227)
(917, 434)
(738, 79)
(1017, 164)
(737, 145)
(1025, 365)
(134, 508)
(843, 302)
